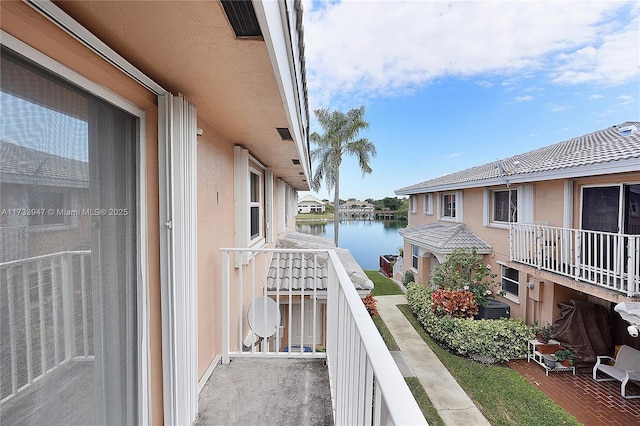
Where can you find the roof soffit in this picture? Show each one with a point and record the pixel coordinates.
(190, 48)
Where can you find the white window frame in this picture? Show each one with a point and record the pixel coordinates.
(244, 166)
(413, 204)
(509, 295)
(524, 202)
(258, 203)
(428, 204)
(415, 257)
(70, 216)
(457, 205)
(490, 207)
(142, 320)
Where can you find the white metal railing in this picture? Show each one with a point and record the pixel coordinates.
(48, 301)
(605, 259)
(366, 385)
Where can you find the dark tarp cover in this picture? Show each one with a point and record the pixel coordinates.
(585, 331)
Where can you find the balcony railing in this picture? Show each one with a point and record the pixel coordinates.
(320, 315)
(46, 320)
(605, 259)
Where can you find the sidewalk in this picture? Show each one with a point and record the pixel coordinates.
(453, 405)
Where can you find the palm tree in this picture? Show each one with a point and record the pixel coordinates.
(340, 137)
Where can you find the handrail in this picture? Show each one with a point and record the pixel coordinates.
(68, 333)
(400, 406)
(605, 259)
(366, 384)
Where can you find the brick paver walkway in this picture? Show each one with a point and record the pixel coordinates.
(591, 402)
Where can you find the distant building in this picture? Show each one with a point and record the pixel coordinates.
(310, 204)
(357, 210)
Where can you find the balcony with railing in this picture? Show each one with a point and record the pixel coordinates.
(47, 331)
(300, 307)
(605, 259)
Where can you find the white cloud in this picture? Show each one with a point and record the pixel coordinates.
(379, 48)
(523, 98)
(596, 96)
(625, 99)
(557, 108)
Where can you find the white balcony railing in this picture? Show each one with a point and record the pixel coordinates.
(314, 294)
(605, 259)
(47, 300)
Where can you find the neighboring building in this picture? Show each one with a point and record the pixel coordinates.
(139, 141)
(557, 224)
(310, 204)
(357, 210)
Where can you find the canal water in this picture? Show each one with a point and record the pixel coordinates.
(366, 239)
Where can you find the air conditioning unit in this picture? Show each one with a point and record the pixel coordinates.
(495, 310)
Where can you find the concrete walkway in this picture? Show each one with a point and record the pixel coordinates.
(452, 403)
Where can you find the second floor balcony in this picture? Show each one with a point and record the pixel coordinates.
(301, 305)
(605, 259)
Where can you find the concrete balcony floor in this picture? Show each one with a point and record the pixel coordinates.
(267, 391)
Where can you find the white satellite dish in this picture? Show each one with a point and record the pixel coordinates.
(264, 316)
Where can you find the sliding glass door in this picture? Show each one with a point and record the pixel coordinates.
(610, 212)
(68, 258)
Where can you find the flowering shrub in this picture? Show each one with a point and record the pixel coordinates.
(457, 303)
(465, 270)
(371, 304)
(482, 340)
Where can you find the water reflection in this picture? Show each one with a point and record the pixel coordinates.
(366, 239)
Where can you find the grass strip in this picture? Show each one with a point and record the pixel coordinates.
(428, 410)
(500, 393)
(385, 333)
(382, 286)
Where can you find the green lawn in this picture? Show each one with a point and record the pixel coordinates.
(382, 286)
(503, 395)
(428, 410)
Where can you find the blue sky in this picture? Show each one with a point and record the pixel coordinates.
(451, 85)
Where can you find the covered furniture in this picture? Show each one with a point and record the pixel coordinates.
(626, 366)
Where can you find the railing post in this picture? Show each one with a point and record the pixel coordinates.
(225, 307)
(511, 236)
(577, 250)
(68, 306)
(539, 245)
(632, 264)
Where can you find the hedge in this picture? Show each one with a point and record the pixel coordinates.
(487, 341)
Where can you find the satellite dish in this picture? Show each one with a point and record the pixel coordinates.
(256, 316)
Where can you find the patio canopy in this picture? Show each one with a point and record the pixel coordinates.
(441, 239)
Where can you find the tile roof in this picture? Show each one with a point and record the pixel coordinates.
(19, 164)
(439, 238)
(608, 146)
(299, 271)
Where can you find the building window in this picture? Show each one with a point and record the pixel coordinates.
(449, 206)
(414, 256)
(413, 208)
(510, 280)
(505, 206)
(255, 204)
(428, 203)
(51, 202)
